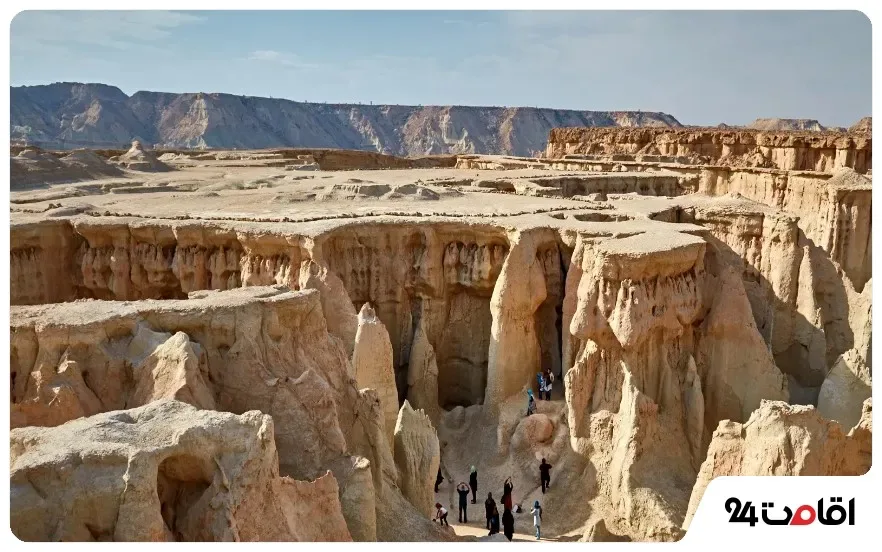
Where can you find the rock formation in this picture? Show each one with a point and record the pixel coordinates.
(372, 365)
(164, 472)
(793, 151)
(417, 456)
(780, 439)
(846, 387)
(666, 297)
(140, 159)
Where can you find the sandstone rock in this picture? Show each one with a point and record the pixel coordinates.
(357, 497)
(599, 533)
(372, 363)
(422, 376)
(515, 354)
(165, 471)
(790, 150)
(336, 305)
(174, 368)
(138, 158)
(417, 456)
(780, 439)
(845, 389)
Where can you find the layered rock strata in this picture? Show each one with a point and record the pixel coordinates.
(793, 151)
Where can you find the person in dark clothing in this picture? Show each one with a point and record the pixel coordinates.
(507, 488)
(507, 524)
(489, 508)
(545, 474)
(473, 483)
(463, 491)
(494, 521)
(439, 479)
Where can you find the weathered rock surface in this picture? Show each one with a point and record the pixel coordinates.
(372, 364)
(846, 387)
(780, 439)
(138, 158)
(665, 297)
(253, 348)
(417, 456)
(165, 471)
(794, 151)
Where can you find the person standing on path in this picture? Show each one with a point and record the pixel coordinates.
(548, 377)
(537, 518)
(540, 379)
(507, 524)
(489, 508)
(463, 491)
(507, 488)
(473, 483)
(494, 521)
(531, 402)
(545, 475)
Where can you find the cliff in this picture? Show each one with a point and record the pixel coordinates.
(788, 150)
(70, 115)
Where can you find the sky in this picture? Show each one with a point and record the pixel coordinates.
(702, 67)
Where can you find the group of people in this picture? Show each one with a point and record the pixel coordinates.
(544, 380)
(490, 508)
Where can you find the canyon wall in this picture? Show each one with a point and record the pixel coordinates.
(794, 151)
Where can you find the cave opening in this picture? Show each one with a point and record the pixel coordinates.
(180, 482)
(464, 348)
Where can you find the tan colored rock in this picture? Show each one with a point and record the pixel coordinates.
(417, 456)
(163, 472)
(781, 439)
(599, 533)
(372, 363)
(337, 306)
(515, 354)
(422, 376)
(788, 149)
(138, 158)
(845, 389)
(357, 497)
(175, 368)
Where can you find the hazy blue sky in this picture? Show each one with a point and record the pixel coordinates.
(701, 67)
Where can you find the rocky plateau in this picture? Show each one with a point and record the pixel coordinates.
(290, 344)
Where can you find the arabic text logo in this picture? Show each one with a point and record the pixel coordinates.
(834, 514)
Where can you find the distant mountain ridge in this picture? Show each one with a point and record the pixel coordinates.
(74, 115)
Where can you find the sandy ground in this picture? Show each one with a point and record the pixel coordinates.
(477, 525)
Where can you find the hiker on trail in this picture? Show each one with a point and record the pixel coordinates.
(541, 381)
(507, 488)
(494, 521)
(441, 514)
(439, 479)
(549, 379)
(537, 518)
(473, 483)
(545, 475)
(489, 508)
(507, 524)
(463, 491)
(531, 402)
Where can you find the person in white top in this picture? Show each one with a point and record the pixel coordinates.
(440, 514)
(537, 518)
